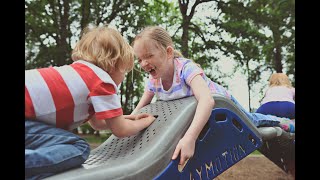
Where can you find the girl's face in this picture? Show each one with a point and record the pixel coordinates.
(151, 58)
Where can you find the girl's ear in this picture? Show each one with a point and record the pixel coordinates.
(170, 52)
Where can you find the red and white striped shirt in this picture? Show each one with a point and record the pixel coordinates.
(69, 95)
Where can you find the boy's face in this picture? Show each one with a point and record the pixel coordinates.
(151, 58)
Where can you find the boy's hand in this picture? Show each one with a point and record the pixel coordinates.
(126, 125)
(144, 115)
(131, 116)
(186, 148)
(139, 116)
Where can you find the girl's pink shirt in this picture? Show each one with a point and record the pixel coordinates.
(279, 93)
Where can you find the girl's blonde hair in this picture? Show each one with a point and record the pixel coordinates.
(105, 47)
(279, 79)
(160, 36)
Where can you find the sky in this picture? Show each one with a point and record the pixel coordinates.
(237, 84)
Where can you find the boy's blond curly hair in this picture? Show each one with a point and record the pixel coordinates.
(104, 47)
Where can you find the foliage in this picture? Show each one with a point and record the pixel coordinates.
(86, 129)
(47, 33)
(262, 33)
(259, 35)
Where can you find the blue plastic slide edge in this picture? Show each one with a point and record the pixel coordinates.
(226, 140)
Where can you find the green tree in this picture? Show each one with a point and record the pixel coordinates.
(52, 27)
(47, 33)
(262, 32)
(199, 38)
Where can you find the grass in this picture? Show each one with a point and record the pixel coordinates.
(256, 152)
(92, 139)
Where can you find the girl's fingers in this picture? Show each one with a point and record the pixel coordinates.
(176, 152)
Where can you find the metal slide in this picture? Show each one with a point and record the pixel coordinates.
(228, 137)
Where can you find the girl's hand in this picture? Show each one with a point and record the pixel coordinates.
(186, 148)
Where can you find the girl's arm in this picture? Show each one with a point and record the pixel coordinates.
(205, 105)
(145, 99)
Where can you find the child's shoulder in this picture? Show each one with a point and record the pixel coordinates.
(184, 62)
(279, 88)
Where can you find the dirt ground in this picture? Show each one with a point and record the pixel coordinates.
(255, 167)
(252, 167)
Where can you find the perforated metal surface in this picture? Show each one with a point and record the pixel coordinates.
(119, 150)
(149, 151)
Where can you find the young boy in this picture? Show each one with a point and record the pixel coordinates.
(59, 99)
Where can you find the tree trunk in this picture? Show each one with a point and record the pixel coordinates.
(183, 5)
(63, 46)
(186, 19)
(127, 96)
(249, 83)
(85, 13)
(184, 39)
(277, 59)
(277, 50)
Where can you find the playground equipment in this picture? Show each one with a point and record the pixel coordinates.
(279, 147)
(228, 137)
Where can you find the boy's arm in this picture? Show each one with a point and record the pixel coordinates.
(98, 124)
(122, 127)
(203, 111)
(145, 100)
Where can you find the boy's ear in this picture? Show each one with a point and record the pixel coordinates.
(170, 52)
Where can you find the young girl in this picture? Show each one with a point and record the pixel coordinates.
(59, 99)
(279, 97)
(171, 77)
